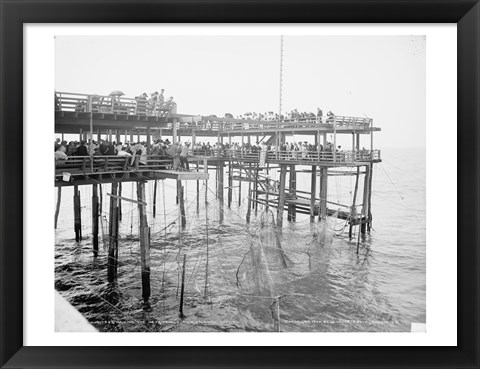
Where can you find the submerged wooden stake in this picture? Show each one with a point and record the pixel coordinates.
(281, 198)
(365, 199)
(113, 235)
(198, 191)
(249, 204)
(182, 204)
(322, 214)
(95, 208)
(369, 225)
(239, 189)
(313, 190)
(256, 191)
(155, 198)
(119, 201)
(353, 210)
(220, 192)
(57, 208)
(77, 214)
(144, 241)
(230, 183)
(292, 216)
(182, 291)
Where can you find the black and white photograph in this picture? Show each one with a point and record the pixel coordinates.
(240, 183)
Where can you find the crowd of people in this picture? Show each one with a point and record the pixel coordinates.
(291, 115)
(160, 149)
(155, 104)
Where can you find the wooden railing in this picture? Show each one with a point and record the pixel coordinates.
(300, 156)
(110, 164)
(216, 124)
(72, 102)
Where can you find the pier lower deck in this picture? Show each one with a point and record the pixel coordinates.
(80, 178)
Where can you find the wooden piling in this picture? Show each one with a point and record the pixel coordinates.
(177, 196)
(154, 198)
(216, 181)
(182, 203)
(239, 189)
(220, 192)
(292, 191)
(57, 208)
(230, 183)
(281, 198)
(77, 214)
(198, 191)
(119, 202)
(369, 224)
(113, 235)
(313, 191)
(249, 204)
(95, 208)
(256, 191)
(365, 199)
(353, 211)
(182, 291)
(322, 214)
(144, 241)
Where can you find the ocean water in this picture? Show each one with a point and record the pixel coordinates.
(317, 282)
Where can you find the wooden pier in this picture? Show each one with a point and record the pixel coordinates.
(95, 117)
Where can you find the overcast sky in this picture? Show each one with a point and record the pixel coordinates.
(382, 77)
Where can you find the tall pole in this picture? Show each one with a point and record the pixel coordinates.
(281, 77)
(279, 138)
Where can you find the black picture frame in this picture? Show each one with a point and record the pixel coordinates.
(14, 14)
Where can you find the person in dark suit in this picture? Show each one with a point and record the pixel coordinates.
(81, 150)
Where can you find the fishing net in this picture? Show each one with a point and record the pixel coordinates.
(266, 268)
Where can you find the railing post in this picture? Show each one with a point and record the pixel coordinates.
(334, 139)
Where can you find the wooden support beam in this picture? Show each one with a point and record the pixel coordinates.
(353, 210)
(292, 191)
(281, 200)
(182, 290)
(239, 192)
(322, 214)
(249, 204)
(57, 208)
(77, 214)
(369, 224)
(256, 191)
(144, 241)
(113, 236)
(119, 201)
(155, 198)
(198, 191)
(230, 183)
(95, 214)
(182, 204)
(313, 191)
(365, 197)
(220, 191)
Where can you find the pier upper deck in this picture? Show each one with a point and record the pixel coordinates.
(75, 112)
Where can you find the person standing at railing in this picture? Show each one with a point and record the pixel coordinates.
(184, 156)
(319, 115)
(161, 98)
